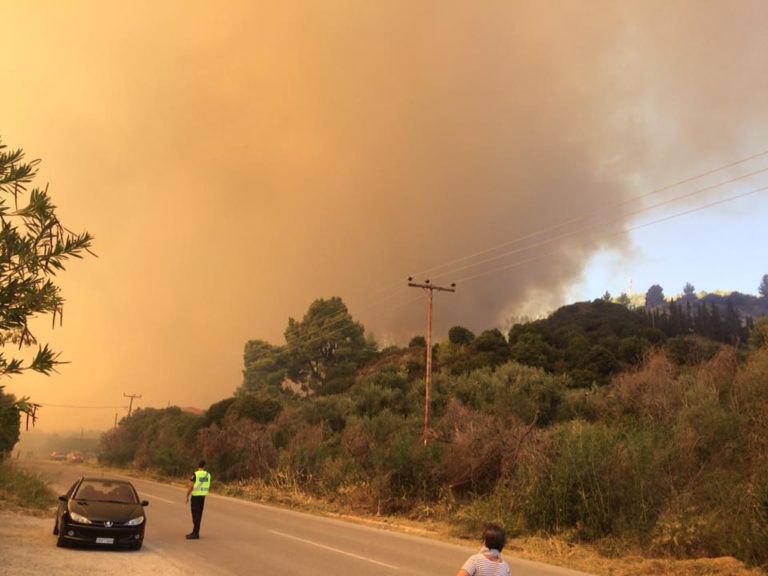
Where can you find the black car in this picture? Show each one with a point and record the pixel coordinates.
(101, 512)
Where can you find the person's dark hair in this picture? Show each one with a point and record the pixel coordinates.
(202, 464)
(494, 537)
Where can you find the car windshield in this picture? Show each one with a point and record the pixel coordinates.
(106, 491)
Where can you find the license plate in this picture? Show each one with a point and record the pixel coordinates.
(105, 540)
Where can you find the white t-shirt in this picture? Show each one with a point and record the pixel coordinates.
(480, 565)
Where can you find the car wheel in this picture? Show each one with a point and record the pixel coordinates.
(56, 527)
(137, 546)
(60, 542)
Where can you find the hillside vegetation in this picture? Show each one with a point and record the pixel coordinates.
(600, 424)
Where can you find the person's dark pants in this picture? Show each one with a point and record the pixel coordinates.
(196, 504)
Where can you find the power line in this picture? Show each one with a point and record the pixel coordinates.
(587, 216)
(592, 225)
(639, 226)
(43, 405)
(316, 335)
(604, 209)
(336, 317)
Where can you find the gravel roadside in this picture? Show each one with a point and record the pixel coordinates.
(28, 547)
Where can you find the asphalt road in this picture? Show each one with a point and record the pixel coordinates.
(245, 538)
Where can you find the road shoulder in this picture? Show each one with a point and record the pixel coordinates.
(27, 546)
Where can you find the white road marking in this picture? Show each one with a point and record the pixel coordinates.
(143, 493)
(335, 550)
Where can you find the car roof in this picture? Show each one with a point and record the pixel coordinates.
(102, 479)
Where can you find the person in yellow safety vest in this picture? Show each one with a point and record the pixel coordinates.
(198, 488)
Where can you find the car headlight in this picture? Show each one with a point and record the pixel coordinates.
(135, 521)
(79, 518)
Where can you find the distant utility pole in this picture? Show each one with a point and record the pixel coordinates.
(429, 289)
(130, 404)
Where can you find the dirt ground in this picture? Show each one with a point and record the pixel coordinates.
(28, 547)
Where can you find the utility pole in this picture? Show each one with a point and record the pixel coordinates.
(429, 289)
(130, 405)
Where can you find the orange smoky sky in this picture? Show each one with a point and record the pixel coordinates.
(237, 160)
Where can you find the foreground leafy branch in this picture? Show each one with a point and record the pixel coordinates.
(34, 247)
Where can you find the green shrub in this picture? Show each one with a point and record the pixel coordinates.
(10, 425)
(23, 489)
(242, 449)
(705, 431)
(403, 469)
(498, 507)
(758, 336)
(510, 392)
(258, 407)
(588, 477)
(690, 350)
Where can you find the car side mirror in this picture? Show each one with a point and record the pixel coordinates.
(144, 503)
(63, 498)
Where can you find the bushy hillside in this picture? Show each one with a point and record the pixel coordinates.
(592, 423)
(588, 341)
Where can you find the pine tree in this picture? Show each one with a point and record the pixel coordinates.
(717, 324)
(763, 288)
(689, 292)
(703, 321)
(731, 324)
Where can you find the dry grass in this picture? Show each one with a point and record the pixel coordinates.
(23, 491)
(590, 559)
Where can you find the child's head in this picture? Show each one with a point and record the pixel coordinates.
(494, 537)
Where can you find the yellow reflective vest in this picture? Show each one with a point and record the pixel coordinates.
(202, 483)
